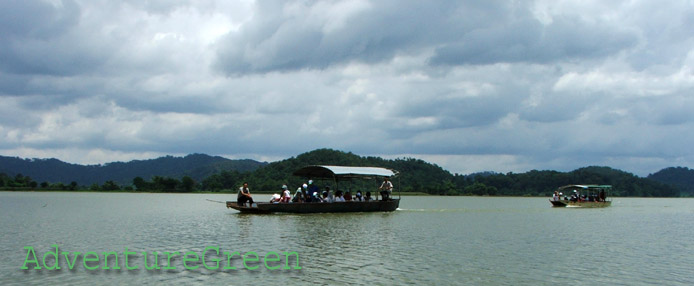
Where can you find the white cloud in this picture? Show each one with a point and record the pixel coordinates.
(501, 86)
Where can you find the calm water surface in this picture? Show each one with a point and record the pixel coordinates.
(429, 241)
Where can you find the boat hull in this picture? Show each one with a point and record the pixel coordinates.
(372, 206)
(584, 204)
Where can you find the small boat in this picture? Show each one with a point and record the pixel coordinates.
(582, 196)
(336, 174)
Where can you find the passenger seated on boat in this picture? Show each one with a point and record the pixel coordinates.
(286, 195)
(331, 197)
(244, 195)
(347, 196)
(324, 198)
(367, 197)
(338, 197)
(387, 188)
(315, 197)
(298, 196)
(358, 197)
(275, 198)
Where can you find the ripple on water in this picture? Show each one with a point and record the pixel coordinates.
(429, 241)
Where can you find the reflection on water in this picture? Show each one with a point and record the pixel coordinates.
(428, 241)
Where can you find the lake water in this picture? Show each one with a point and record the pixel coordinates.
(428, 241)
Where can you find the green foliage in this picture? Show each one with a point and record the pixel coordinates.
(165, 184)
(480, 189)
(681, 178)
(543, 183)
(110, 186)
(415, 176)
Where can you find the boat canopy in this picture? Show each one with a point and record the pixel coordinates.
(343, 172)
(586, 187)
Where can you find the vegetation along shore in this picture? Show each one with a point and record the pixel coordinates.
(207, 174)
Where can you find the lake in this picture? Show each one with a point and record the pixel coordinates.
(428, 241)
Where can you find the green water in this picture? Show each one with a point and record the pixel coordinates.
(428, 241)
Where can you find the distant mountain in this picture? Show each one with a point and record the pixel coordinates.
(680, 177)
(543, 183)
(196, 166)
(217, 174)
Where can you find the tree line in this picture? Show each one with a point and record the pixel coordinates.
(414, 176)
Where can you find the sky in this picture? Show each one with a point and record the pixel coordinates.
(504, 86)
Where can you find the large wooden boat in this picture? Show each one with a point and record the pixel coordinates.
(336, 174)
(582, 196)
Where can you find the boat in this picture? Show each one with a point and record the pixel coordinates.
(335, 174)
(582, 196)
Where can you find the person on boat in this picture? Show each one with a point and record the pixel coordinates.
(556, 196)
(331, 197)
(367, 197)
(601, 196)
(347, 196)
(276, 198)
(307, 195)
(312, 188)
(338, 197)
(298, 196)
(286, 195)
(358, 197)
(324, 198)
(244, 195)
(386, 189)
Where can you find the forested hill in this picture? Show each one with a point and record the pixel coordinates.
(680, 177)
(415, 175)
(420, 176)
(199, 172)
(543, 183)
(196, 166)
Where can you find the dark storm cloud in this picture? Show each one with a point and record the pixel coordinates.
(38, 38)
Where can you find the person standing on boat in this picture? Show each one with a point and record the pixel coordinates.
(244, 195)
(387, 188)
(306, 194)
(313, 190)
(601, 196)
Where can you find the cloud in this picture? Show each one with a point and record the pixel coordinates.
(316, 35)
(474, 85)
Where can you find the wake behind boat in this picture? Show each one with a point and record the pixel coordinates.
(582, 196)
(337, 174)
